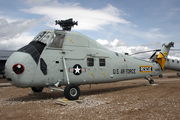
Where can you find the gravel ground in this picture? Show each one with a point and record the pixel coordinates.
(128, 100)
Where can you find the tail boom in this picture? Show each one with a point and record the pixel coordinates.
(161, 58)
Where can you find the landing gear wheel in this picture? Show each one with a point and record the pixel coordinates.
(178, 74)
(151, 81)
(37, 89)
(72, 92)
(160, 76)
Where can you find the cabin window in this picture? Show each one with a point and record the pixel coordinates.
(172, 60)
(177, 61)
(102, 62)
(57, 41)
(168, 60)
(90, 61)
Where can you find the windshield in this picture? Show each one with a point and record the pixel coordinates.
(57, 40)
(43, 36)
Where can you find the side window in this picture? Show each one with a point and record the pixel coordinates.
(90, 62)
(57, 41)
(102, 62)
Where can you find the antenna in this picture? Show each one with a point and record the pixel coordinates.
(66, 24)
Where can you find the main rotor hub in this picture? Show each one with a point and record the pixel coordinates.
(66, 24)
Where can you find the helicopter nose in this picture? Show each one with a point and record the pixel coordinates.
(20, 69)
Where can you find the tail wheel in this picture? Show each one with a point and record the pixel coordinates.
(72, 92)
(37, 89)
(160, 76)
(151, 81)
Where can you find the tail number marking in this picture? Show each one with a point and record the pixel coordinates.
(145, 69)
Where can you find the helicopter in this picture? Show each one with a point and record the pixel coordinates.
(57, 58)
(170, 64)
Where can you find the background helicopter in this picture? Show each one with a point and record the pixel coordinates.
(56, 58)
(170, 63)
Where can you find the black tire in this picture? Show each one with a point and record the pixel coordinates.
(151, 81)
(160, 76)
(178, 74)
(72, 92)
(37, 89)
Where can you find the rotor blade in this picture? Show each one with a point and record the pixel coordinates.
(152, 55)
(175, 50)
(146, 51)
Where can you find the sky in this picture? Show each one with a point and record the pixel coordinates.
(120, 25)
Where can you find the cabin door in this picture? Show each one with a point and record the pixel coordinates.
(56, 71)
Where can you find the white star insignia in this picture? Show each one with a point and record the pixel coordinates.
(77, 70)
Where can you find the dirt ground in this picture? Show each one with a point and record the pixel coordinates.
(127, 100)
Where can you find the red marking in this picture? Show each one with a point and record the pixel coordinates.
(124, 60)
(17, 71)
(83, 70)
(71, 69)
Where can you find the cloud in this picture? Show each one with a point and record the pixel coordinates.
(16, 42)
(154, 29)
(37, 2)
(14, 33)
(174, 55)
(156, 43)
(155, 33)
(88, 19)
(10, 30)
(114, 43)
(121, 47)
(103, 42)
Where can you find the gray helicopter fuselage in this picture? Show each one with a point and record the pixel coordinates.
(64, 57)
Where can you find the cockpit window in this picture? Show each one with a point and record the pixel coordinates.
(57, 41)
(39, 36)
(43, 36)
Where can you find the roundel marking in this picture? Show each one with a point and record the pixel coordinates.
(77, 69)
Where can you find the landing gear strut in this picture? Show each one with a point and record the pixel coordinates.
(151, 81)
(71, 91)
